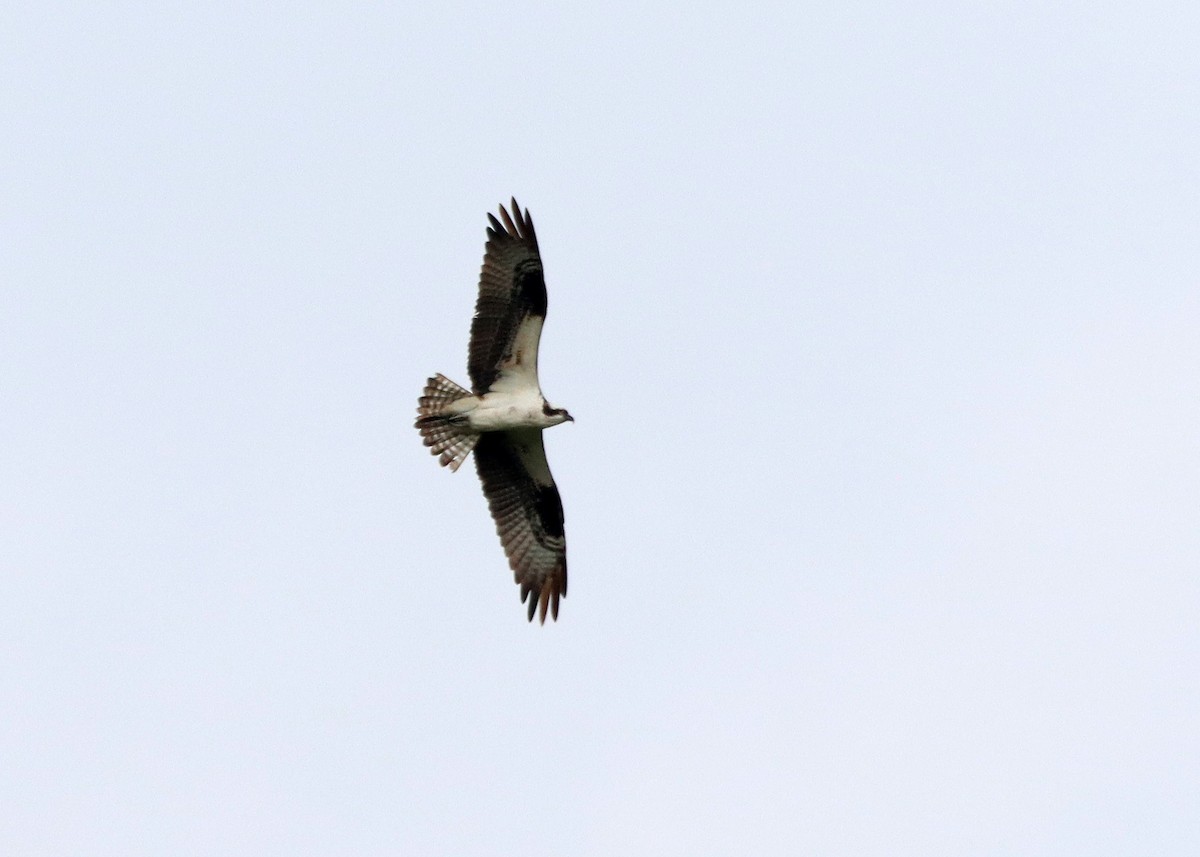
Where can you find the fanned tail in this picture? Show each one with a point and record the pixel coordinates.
(446, 435)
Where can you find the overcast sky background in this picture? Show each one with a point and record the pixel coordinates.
(879, 324)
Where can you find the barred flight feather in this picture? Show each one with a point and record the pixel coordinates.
(448, 437)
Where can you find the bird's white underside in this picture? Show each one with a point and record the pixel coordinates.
(515, 399)
(503, 410)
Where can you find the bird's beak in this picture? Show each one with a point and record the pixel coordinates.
(570, 418)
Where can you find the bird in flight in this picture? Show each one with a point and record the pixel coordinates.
(502, 416)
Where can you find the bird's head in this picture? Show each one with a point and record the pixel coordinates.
(557, 415)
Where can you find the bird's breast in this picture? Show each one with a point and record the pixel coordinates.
(503, 411)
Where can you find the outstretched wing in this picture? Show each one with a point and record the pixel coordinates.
(524, 501)
(511, 305)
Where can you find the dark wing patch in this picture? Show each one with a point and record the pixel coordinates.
(511, 287)
(528, 514)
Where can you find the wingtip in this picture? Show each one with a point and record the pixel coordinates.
(544, 600)
(524, 218)
(510, 226)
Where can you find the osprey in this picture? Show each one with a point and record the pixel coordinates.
(502, 417)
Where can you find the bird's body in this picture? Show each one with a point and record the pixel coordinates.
(502, 418)
(501, 410)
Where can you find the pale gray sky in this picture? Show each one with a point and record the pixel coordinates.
(879, 323)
